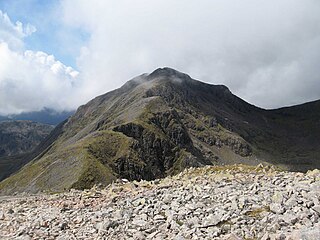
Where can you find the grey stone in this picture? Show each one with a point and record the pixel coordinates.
(139, 222)
(187, 206)
(317, 209)
(305, 234)
(290, 218)
(63, 226)
(232, 236)
(277, 208)
(159, 218)
(211, 220)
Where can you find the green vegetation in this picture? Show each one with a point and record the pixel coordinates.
(256, 213)
(93, 172)
(179, 164)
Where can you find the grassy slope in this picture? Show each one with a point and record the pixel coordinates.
(87, 161)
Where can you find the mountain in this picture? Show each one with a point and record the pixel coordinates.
(18, 138)
(45, 116)
(160, 123)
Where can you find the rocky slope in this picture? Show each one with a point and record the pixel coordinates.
(18, 139)
(160, 123)
(231, 202)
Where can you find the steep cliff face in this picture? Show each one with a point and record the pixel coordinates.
(158, 124)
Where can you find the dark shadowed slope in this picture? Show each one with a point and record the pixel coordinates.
(18, 139)
(161, 123)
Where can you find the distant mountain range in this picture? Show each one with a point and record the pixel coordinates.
(46, 116)
(160, 123)
(18, 138)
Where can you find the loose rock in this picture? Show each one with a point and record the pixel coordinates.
(231, 202)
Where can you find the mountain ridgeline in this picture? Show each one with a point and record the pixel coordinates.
(160, 123)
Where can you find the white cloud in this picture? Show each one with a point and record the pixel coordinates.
(31, 81)
(266, 51)
(12, 33)
(34, 80)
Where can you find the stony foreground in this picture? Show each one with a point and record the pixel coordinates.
(235, 202)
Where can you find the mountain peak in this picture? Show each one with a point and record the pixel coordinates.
(168, 72)
(162, 75)
(156, 125)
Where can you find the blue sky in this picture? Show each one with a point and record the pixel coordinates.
(52, 35)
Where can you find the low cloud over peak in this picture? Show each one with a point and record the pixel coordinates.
(266, 52)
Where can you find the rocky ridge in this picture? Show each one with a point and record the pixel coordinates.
(226, 202)
(158, 124)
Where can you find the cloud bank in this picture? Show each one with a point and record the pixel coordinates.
(31, 81)
(267, 52)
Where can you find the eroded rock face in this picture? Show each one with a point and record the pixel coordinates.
(171, 125)
(240, 147)
(158, 150)
(154, 155)
(237, 145)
